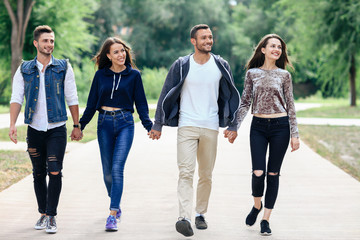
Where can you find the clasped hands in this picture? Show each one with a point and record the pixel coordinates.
(76, 134)
(230, 135)
(154, 135)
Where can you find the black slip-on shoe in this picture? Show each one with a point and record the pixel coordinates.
(265, 228)
(200, 222)
(184, 227)
(251, 218)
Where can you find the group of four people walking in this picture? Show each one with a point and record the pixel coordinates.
(198, 96)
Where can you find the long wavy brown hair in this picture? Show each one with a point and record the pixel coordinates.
(101, 59)
(258, 58)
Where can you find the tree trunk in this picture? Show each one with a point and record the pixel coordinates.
(19, 23)
(352, 81)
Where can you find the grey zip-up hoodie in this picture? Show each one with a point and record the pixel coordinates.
(168, 106)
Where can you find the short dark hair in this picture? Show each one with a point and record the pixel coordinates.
(40, 30)
(195, 28)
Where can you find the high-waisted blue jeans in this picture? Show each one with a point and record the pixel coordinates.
(115, 136)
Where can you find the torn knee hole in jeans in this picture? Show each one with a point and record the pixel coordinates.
(258, 173)
(33, 152)
(52, 159)
(273, 173)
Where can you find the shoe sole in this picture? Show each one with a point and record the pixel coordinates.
(51, 231)
(39, 228)
(183, 230)
(265, 234)
(111, 230)
(201, 228)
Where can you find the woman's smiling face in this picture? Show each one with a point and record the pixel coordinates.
(273, 49)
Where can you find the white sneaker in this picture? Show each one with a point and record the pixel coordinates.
(41, 223)
(51, 225)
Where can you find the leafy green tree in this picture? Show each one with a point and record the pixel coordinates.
(72, 35)
(160, 29)
(19, 15)
(71, 25)
(250, 21)
(107, 21)
(341, 30)
(327, 42)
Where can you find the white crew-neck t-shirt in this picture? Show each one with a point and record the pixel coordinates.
(199, 95)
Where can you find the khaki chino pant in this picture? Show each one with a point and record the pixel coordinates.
(201, 144)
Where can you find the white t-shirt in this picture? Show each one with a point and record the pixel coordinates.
(40, 118)
(199, 95)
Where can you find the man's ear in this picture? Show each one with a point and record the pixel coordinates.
(35, 43)
(193, 41)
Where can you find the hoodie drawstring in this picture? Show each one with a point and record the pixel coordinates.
(112, 91)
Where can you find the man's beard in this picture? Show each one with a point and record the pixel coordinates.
(42, 51)
(45, 53)
(203, 50)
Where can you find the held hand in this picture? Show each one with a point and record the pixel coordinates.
(13, 134)
(295, 144)
(153, 134)
(76, 134)
(230, 135)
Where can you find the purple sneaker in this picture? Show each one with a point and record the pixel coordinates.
(111, 224)
(118, 215)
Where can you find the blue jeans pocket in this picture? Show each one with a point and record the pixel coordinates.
(128, 117)
(100, 120)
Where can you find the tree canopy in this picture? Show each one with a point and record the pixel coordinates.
(322, 36)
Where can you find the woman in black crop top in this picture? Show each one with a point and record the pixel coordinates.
(114, 90)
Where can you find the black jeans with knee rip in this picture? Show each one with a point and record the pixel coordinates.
(46, 151)
(275, 134)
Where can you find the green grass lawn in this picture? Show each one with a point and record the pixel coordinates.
(4, 109)
(331, 111)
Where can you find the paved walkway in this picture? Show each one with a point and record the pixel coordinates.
(317, 200)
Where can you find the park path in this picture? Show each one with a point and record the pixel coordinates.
(317, 200)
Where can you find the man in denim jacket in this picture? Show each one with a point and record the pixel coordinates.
(46, 82)
(198, 96)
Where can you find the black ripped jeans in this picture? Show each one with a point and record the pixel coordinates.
(46, 151)
(275, 134)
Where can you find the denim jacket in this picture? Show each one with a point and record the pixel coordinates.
(54, 89)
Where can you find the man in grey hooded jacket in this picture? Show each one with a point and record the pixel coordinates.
(198, 97)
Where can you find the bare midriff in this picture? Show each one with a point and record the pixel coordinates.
(274, 115)
(109, 108)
